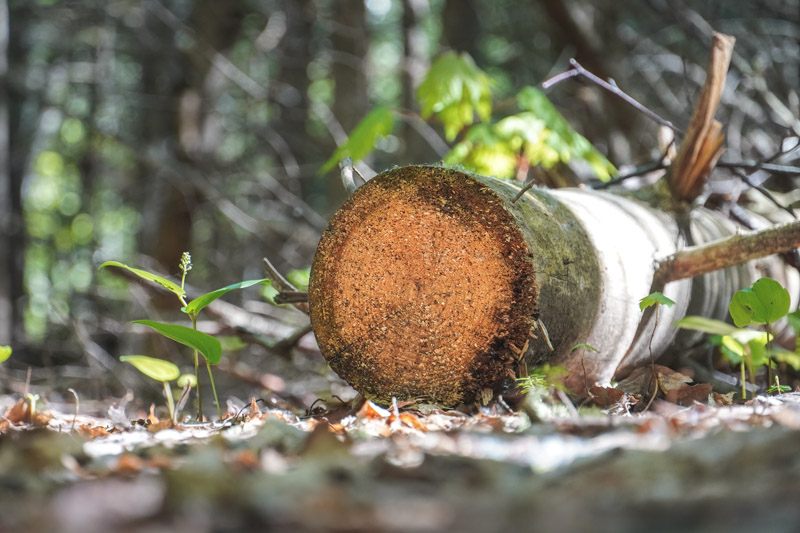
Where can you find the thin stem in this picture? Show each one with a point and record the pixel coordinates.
(197, 375)
(769, 357)
(578, 70)
(170, 400)
(744, 387)
(213, 389)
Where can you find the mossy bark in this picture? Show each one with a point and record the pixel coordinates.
(431, 283)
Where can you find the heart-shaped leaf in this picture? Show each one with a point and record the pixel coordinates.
(203, 343)
(766, 301)
(655, 298)
(156, 369)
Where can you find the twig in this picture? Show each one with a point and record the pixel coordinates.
(768, 195)
(758, 165)
(728, 252)
(77, 408)
(638, 171)
(578, 70)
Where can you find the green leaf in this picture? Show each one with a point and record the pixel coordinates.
(196, 305)
(156, 369)
(655, 298)
(455, 90)
(5, 353)
(191, 379)
(203, 343)
(172, 287)
(556, 136)
(269, 293)
(587, 347)
(732, 349)
(299, 278)
(378, 123)
(706, 325)
(766, 301)
(794, 321)
(790, 358)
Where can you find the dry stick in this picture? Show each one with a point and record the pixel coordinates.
(702, 145)
(287, 293)
(728, 252)
(578, 70)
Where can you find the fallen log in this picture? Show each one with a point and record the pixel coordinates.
(433, 283)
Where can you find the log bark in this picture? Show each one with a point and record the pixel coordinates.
(435, 284)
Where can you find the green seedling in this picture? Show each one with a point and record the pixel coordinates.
(654, 299)
(33, 399)
(543, 377)
(201, 343)
(763, 303)
(5, 353)
(778, 388)
(158, 370)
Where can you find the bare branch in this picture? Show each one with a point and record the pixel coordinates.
(578, 70)
(731, 251)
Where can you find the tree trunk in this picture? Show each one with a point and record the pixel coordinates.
(432, 283)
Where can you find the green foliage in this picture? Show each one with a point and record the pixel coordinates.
(545, 376)
(299, 278)
(5, 353)
(455, 90)
(766, 301)
(185, 379)
(583, 345)
(655, 298)
(167, 284)
(203, 343)
(378, 123)
(197, 305)
(155, 369)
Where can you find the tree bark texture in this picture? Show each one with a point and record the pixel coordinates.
(430, 283)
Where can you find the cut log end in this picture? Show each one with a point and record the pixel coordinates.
(423, 287)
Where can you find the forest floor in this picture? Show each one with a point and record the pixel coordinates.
(700, 467)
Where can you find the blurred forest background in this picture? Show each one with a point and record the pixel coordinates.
(135, 130)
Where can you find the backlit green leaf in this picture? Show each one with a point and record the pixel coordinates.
(299, 278)
(455, 90)
(766, 301)
(196, 305)
(655, 298)
(706, 325)
(203, 343)
(378, 123)
(5, 353)
(156, 369)
(172, 287)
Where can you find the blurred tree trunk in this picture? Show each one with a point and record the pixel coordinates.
(349, 43)
(13, 154)
(292, 83)
(461, 26)
(415, 64)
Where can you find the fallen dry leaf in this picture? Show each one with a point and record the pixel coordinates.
(605, 396)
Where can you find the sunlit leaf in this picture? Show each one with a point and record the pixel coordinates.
(196, 305)
(299, 278)
(587, 347)
(378, 123)
(766, 301)
(655, 298)
(706, 325)
(191, 379)
(790, 358)
(794, 321)
(167, 284)
(455, 90)
(5, 353)
(203, 343)
(156, 369)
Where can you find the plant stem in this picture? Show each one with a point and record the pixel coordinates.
(744, 388)
(170, 400)
(214, 390)
(769, 357)
(197, 375)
